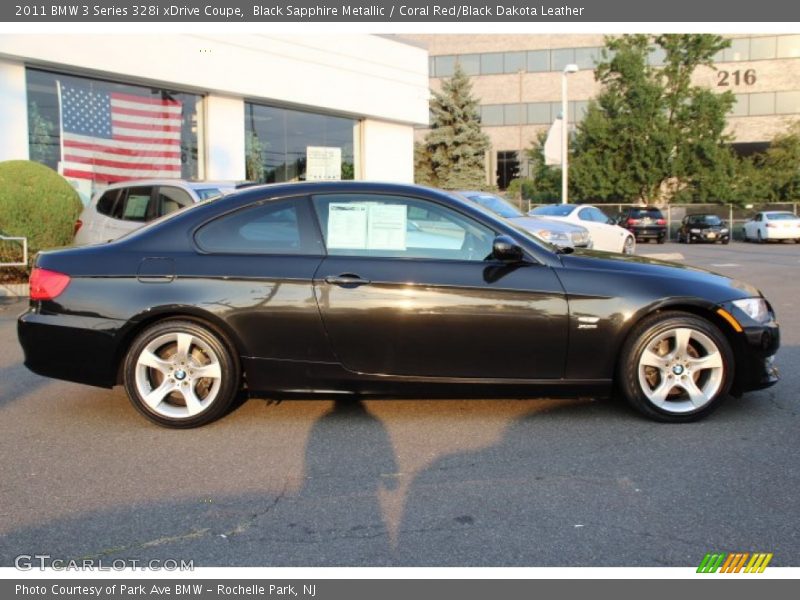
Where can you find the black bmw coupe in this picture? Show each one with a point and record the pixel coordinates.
(383, 290)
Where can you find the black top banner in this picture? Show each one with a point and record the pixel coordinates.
(406, 11)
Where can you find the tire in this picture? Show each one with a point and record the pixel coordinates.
(629, 245)
(163, 374)
(726, 241)
(657, 361)
(760, 239)
(661, 240)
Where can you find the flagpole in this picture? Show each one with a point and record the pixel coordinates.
(60, 128)
(571, 68)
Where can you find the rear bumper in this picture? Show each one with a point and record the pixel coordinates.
(74, 348)
(648, 233)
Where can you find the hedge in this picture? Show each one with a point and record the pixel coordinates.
(37, 203)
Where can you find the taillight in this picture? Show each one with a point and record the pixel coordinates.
(772, 224)
(46, 284)
(631, 222)
(78, 225)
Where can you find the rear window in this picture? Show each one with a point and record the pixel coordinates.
(206, 193)
(641, 213)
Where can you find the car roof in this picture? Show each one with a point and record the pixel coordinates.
(193, 184)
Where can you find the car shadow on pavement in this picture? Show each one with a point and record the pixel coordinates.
(564, 483)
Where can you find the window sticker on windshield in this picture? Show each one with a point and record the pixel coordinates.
(362, 226)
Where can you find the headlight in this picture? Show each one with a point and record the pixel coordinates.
(724, 230)
(694, 230)
(755, 308)
(544, 234)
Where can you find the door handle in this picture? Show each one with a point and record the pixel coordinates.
(346, 279)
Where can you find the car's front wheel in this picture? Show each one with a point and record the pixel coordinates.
(180, 374)
(675, 367)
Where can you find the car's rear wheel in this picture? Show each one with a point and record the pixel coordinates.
(629, 245)
(180, 374)
(675, 367)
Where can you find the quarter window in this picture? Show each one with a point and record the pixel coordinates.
(384, 226)
(171, 199)
(280, 227)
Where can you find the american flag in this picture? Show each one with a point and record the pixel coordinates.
(110, 136)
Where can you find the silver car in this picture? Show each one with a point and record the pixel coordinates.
(559, 234)
(123, 207)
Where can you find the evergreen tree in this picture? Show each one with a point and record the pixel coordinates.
(452, 155)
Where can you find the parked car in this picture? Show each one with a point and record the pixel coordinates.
(703, 228)
(123, 207)
(644, 222)
(297, 290)
(771, 225)
(606, 234)
(563, 235)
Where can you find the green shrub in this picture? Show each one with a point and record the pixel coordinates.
(37, 203)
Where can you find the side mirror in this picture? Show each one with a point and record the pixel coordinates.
(506, 249)
(612, 221)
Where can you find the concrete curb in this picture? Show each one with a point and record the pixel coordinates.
(14, 290)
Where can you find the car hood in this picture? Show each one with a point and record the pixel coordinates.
(535, 223)
(692, 281)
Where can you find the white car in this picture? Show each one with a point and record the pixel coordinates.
(606, 235)
(123, 207)
(772, 225)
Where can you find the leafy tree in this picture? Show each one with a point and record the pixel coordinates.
(651, 134)
(546, 178)
(452, 155)
(779, 168)
(254, 157)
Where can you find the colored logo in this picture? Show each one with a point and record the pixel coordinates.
(735, 562)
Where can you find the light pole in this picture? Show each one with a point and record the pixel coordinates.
(570, 68)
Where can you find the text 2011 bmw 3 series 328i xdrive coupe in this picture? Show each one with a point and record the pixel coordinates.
(383, 290)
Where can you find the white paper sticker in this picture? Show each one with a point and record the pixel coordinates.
(386, 229)
(347, 225)
(323, 163)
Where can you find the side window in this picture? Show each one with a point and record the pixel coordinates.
(279, 227)
(585, 214)
(170, 199)
(597, 215)
(398, 227)
(105, 205)
(133, 204)
(758, 217)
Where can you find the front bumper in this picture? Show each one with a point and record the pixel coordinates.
(710, 236)
(755, 367)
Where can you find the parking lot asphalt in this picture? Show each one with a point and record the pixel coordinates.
(417, 483)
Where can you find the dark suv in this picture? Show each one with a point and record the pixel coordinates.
(644, 222)
(704, 228)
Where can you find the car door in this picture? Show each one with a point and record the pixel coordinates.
(409, 288)
(602, 235)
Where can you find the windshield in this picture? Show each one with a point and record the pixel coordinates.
(781, 216)
(640, 213)
(553, 210)
(206, 193)
(497, 205)
(706, 219)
